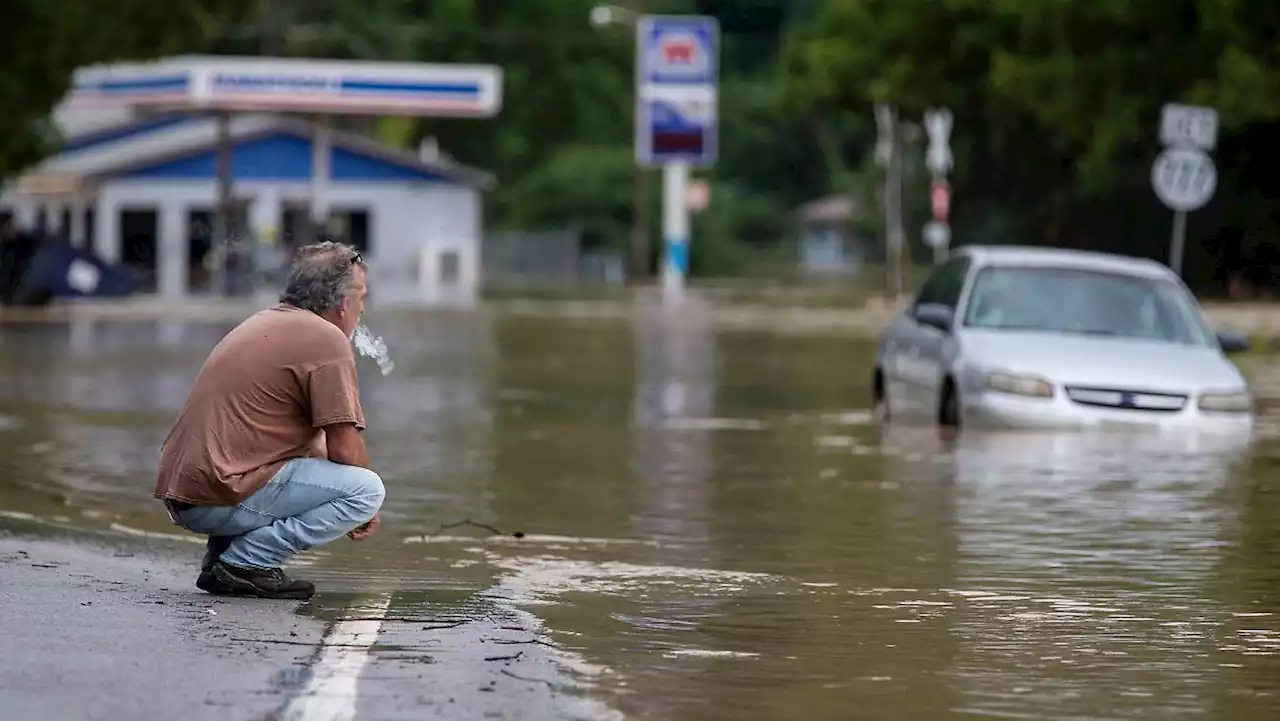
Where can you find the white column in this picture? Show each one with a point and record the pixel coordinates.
(321, 152)
(469, 272)
(428, 271)
(172, 250)
(106, 228)
(77, 229)
(24, 212)
(264, 214)
(53, 210)
(264, 226)
(675, 231)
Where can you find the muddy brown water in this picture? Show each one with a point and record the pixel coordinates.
(715, 529)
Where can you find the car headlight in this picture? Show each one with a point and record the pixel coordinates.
(1022, 385)
(1238, 402)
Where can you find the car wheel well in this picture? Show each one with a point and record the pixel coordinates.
(949, 403)
(879, 395)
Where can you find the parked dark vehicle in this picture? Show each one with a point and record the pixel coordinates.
(37, 269)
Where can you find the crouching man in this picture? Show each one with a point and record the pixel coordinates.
(266, 457)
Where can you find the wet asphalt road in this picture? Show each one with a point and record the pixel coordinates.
(110, 629)
(109, 633)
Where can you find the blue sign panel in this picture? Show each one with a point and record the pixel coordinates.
(678, 50)
(676, 78)
(674, 133)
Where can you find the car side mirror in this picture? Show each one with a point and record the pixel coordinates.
(1232, 342)
(934, 315)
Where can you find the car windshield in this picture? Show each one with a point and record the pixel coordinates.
(1086, 302)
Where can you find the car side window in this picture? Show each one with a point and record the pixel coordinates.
(945, 285)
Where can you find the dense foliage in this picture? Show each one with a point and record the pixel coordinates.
(1056, 102)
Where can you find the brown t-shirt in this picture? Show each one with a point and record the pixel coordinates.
(263, 394)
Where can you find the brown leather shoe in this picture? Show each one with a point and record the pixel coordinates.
(260, 582)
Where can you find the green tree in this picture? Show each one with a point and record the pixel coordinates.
(46, 42)
(1056, 103)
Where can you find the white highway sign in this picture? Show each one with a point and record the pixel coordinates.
(937, 123)
(1184, 178)
(1189, 126)
(937, 235)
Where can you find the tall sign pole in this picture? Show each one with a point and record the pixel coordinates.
(937, 232)
(889, 156)
(1183, 176)
(677, 78)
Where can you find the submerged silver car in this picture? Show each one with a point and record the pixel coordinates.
(1045, 337)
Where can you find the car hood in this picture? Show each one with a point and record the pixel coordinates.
(1103, 362)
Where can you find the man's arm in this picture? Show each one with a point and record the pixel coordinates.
(346, 445)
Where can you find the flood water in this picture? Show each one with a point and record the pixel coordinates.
(715, 529)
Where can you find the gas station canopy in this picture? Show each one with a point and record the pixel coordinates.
(250, 84)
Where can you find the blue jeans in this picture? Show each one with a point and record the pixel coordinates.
(309, 502)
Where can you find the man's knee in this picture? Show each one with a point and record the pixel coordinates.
(366, 492)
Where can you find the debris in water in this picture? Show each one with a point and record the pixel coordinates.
(475, 524)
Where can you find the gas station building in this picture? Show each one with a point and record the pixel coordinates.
(152, 150)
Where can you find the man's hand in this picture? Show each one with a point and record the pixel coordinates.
(359, 533)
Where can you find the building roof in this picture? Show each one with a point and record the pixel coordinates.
(126, 149)
(831, 209)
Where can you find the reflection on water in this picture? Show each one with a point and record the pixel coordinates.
(1084, 571)
(714, 528)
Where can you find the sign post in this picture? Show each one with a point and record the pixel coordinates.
(889, 156)
(937, 233)
(1183, 175)
(677, 74)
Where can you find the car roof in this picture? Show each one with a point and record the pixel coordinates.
(1021, 255)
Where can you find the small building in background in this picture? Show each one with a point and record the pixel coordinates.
(141, 192)
(829, 246)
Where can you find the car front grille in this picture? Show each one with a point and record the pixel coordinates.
(1127, 399)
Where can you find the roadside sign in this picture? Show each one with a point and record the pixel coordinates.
(1184, 178)
(677, 75)
(940, 199)
(937, 235)
(1189, 126)
(937, 124)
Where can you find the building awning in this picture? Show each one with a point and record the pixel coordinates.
(55, 184)
(78, 172)
(262, 84)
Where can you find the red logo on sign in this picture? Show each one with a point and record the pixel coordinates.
(678, 51)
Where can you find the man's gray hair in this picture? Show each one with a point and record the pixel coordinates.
(321, 276)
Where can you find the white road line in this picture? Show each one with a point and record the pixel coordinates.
(331, 693)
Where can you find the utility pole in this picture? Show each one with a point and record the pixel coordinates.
(889, 156)
(640, 224)
(641, 179)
